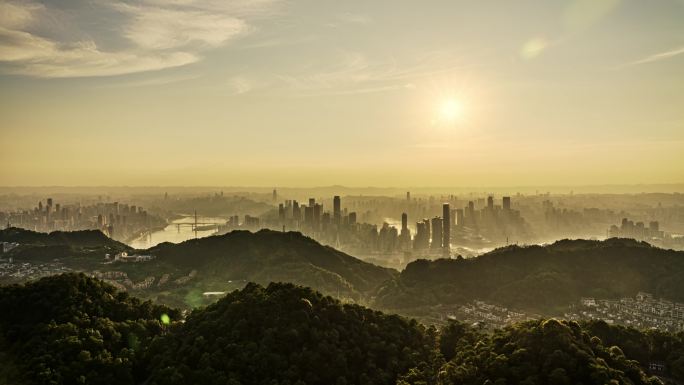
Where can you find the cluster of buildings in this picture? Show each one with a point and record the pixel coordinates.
(124, 257)
(638, 230)
(118, 221)
(120, 280)
(492, 316)
(651, 234)
(340, 227)
(430, 237)
(643, 312)
(12, 271)
(5, 247)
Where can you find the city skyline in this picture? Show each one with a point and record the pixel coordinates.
(322, 93)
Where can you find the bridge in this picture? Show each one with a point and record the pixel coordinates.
(198, 226)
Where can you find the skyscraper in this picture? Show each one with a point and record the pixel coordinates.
(281, 213)
(436, 233)
(317, 213)
(459, 217)
(490, 203)
(296, 212)
(446, 228)
(506, 203)
(337, 212)
(408, 195)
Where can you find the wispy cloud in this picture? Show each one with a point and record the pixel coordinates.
(150, 35)
(240, 85)
(355, 73)
(350, 18)
(154, 81)
(655, 57)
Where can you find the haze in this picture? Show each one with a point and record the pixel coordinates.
(439, 93)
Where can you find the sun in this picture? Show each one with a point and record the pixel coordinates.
(451, 111)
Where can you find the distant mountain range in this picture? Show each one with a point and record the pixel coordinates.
(216, 263)
(540, 279)
(544, 279)
(76, 239)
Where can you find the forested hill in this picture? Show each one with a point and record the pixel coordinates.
(286, 334)
(71, 329)
(273, 256)
(542, 279)
(75, 239)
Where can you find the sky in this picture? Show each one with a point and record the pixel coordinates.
(356, 93)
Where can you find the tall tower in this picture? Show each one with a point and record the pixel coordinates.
(490, 203)
(337, 212)
(506, 203)
(317, 213)
(405, 235)
(446, 228)
(436, 233)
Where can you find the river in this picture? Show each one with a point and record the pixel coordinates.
(175, 233)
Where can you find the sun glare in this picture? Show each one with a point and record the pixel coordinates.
(451, 111)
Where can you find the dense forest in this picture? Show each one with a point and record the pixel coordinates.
(542, 279)
(538, 279)
(242, 256)
(76, 246)
(77, 239)
(287, 334)
(72, 329)
(270, 256)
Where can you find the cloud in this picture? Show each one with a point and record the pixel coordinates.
(355, 73)
(159, 28)
(240, 85)
(153, 81)
(656, 57)
(102, 38)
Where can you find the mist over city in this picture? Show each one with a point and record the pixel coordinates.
(319, 192)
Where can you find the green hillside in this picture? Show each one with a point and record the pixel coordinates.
(71, 329)
(543, 279)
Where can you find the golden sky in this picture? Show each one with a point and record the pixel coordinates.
(358, 93)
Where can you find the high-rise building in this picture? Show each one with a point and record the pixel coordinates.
(275, 195)
(317, 213)
(436, 233)
(296, 212)
(422, 239)
(506, 203)
(308, 217)
(490, 202)
(654, 226)
(352, 218)
(337, 212)
(460, 220)
(281, 213)
(446, 228)
(408, 195)
(404, 222)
